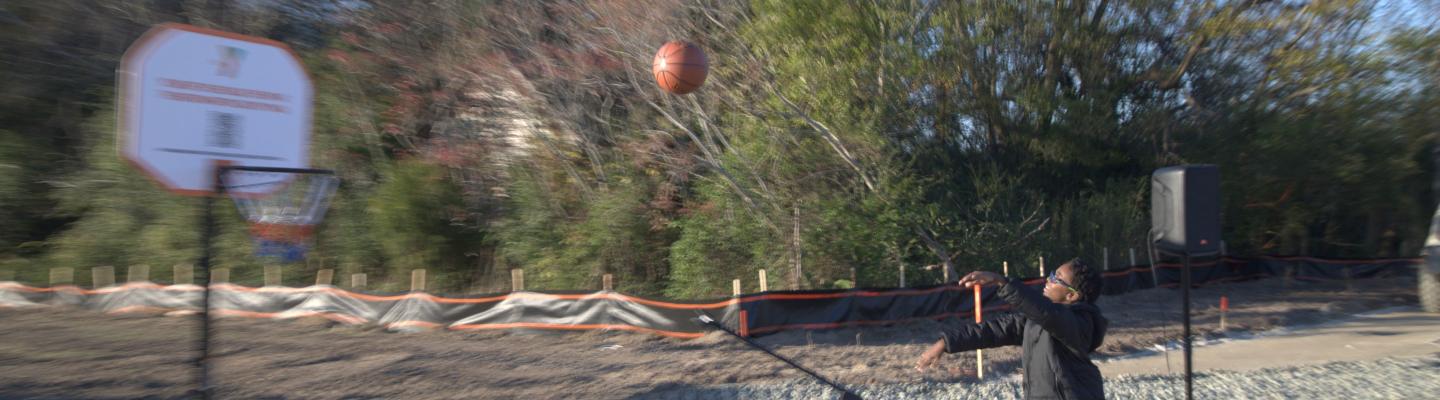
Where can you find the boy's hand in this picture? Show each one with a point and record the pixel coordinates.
(981, 278)
(930, 356)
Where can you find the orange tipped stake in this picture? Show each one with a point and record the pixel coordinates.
(1224, 309)
(979, 354)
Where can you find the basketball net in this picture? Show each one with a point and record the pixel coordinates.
(282, 209)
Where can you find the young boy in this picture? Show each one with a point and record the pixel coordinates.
(1058, 328)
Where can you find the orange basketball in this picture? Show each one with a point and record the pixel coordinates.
(680, 67)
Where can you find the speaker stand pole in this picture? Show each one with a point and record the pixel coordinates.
(1185, 299)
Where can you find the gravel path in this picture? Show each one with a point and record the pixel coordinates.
(1391, 378)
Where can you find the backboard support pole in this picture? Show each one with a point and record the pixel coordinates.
(207, 237)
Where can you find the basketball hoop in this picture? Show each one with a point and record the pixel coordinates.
(281, 205)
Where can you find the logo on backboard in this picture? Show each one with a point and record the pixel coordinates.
(229, 63)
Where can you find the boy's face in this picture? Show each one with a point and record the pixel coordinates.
(1056, 286)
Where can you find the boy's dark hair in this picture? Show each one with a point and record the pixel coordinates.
(1087, 280)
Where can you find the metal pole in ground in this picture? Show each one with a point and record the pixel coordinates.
(1185, 301)
(207, 235)
(979, 354)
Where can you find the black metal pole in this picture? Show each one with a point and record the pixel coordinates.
(1185, 301)
(846, 394)
(207, 235)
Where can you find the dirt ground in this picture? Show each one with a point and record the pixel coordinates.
(57, 353)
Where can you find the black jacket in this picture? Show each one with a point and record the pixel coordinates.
(1057, 338)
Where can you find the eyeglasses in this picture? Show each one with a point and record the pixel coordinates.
(1056, 280)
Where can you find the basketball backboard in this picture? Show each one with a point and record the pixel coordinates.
(192, 98)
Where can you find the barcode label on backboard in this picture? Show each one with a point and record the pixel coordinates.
(224, 130)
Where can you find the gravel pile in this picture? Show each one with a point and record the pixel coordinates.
(1394, 378)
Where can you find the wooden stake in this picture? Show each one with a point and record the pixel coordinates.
(607, 282)
(62, 276)
(517, 280)
(184, 274)
(1106, 266)
(138, 273)
(902, 275)
(1042, 266)
(417, 280)
(272, 275)
(795, 243)
(1224, 309)
(357, 281)
(102, 277)
(735, 287)
(220, 275)
(1006, 268)
(763, 286)
(1132, 256)
(324, 277)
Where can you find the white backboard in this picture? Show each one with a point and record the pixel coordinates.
(192, 98)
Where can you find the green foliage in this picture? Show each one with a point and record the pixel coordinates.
(572, 248)
(618, 237)
(891, 135)
(534, 231)
(18, 201)
(718, 243)
(418, 217)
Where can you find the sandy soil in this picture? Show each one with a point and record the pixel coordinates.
(1397, 332)
(67, 353)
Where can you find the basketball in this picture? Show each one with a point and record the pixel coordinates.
(680, 67)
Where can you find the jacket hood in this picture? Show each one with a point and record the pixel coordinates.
(1100, 326)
